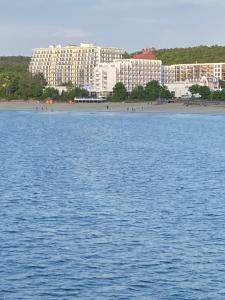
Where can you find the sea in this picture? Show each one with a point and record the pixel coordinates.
(104, 205)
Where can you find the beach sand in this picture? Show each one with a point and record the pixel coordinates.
(112, 107)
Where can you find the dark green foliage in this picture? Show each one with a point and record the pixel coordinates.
(14, 63)
(138, 93)
(50, 92)
(165, 93)
(203, 91)
(153, 90)
(74, 93)
(15, 80)
(200, 54)
(119, 92)
(218, 95)
(194, 89)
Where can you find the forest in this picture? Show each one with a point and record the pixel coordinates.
(200, 54)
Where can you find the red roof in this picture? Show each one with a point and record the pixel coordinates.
(146, 54)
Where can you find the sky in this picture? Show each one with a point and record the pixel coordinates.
(127, 24)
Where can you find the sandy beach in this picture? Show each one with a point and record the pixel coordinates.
(113, 107)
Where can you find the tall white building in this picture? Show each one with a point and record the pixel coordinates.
(62, 64)
(131, 72)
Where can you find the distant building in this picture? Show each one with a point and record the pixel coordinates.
(168, 74)
(63, 64)
(131, 72)
(180, 89)
(146, 54)
(193, 72)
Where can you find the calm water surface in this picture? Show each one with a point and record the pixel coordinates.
(112, 206)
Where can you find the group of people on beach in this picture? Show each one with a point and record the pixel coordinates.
(42, 108)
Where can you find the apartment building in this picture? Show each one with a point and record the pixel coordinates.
(131, 72)
(168, 74)
(62, 64)
(193, 72)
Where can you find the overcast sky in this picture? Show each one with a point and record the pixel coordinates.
(128, 24)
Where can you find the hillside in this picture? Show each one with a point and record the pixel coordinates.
(200, 54)
(14, 63)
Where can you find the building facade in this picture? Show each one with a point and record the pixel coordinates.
(181, 89)
(63, 64)
(131, 72)
(168, 74)
(193, 72)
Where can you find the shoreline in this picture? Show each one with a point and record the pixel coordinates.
(136, 107)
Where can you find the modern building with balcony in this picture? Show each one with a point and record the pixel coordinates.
(131, 72)
(193, 72)
(63, 64)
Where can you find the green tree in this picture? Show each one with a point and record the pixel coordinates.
(153, 90)
(138, 93)
(165, 93)
(218, 95)
(194, 89)
(74, 93)
(50, 92)
(119, 92)
(205, 92)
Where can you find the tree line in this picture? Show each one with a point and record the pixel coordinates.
(152, 91)
(204, 92)
(27, 86)
(16, 82)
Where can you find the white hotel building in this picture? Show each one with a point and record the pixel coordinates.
(193, 72)
(63, 64)
(131, 72)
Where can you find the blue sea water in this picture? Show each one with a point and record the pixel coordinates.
(112, 206)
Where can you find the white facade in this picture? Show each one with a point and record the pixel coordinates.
(168, 74)
(131, 72)
(181, 89)
(62, 64)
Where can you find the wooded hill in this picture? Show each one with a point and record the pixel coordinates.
(14, 63)
(200, 54)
